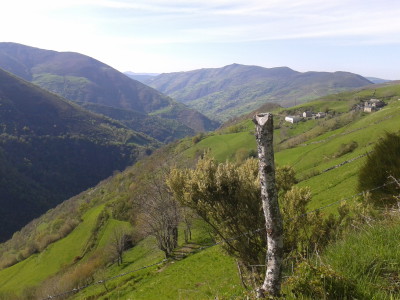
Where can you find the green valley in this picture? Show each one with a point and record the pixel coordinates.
(319, 152)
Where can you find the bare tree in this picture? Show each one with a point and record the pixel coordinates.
(269, 198)
(159, 214)
(118, 243)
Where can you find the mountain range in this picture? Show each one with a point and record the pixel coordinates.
(80, 78)
(224, 93)
(52, 149)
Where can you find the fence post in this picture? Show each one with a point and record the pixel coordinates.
(269, 198)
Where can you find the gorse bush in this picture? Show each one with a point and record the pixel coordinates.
(227, 197)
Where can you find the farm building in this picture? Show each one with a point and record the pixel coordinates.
(373, 105)
(292, 119)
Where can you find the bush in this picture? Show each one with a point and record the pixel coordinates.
(77, 275)
(227, 197)
(381, 163)
(345, 148)
(197, 138)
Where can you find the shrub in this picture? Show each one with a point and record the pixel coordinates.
(345, 148)
(197, 138)
(310, 174)
(67, 227)
(42, 241)
(8, 261)
(380, 164)
(227, 197)
(242, 154)
(78, 275)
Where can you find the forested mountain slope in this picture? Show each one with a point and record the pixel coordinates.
(236, 89)
(162, 129)
(52, 149)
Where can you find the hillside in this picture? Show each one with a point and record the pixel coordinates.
(51, 149)
(314, 148)
(81, 78)
(237, 89)
(161, 129)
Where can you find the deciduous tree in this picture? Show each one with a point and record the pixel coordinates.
(159, 214)
(118, 243)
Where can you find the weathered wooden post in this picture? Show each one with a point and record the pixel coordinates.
(269, 198)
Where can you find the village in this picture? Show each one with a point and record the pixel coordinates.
(369, 106)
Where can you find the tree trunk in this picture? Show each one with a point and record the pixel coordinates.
(269, 198)
(175, 237)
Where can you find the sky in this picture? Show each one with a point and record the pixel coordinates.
(162, 36)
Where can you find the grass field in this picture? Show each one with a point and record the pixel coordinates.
(200, 275)
(38, 267)
(318, 154)
(370, 258)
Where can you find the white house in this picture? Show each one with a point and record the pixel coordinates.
(292, 119)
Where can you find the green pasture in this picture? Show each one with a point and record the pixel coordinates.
(33, 270)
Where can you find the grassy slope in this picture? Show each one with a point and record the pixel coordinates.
(224, 146)
(317, 154)
(173, 279)
(371, 259)
(215, 274)
(38, 267)
(179, 280)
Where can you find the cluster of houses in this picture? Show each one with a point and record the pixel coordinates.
(367, 106)
(373, 105)
(305, 115)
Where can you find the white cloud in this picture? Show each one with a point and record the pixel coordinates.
(253, 20)
(151, 28)
(162, 21)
